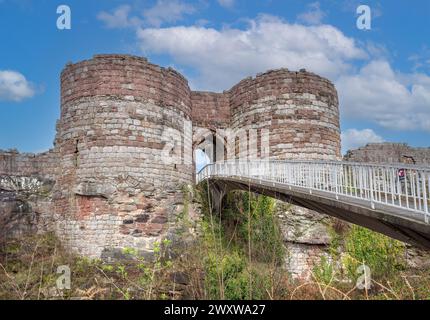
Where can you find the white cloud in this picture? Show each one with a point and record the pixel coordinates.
(119, 18)
(393, 100)
(14, 86)
(226, 3)
(420, 60)
(164, 11)
(223, 57)
(219, 58)
(353, 138)
(313, 16)
(167, 11)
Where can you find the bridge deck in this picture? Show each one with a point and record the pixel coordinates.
(368, 195)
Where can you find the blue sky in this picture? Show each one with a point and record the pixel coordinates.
(382, 75)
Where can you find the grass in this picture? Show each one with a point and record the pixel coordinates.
(29, 271)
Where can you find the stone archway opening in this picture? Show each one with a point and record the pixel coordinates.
(208, 148)
(201, 159)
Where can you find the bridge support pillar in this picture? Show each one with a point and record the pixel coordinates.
(217, 192)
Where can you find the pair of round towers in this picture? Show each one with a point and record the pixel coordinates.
(123, 119)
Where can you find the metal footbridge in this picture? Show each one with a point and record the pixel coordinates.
(391, 199)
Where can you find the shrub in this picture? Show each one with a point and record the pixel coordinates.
(324, 272)
(383, 255)
(256, 224)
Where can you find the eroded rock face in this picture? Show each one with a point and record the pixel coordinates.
(300, 225)
(24, 205)
(417, 258)
(306, 235)
(16, 216)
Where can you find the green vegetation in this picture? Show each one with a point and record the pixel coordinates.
(385, 259)
(243, 247)
(28, 270)
(383, 255)
(360, 246)
(239, 254)
(324, 272)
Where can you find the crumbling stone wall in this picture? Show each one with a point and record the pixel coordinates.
(26, 184)
(389, 153)
(286, 115)
(25, 206)
(29, 164)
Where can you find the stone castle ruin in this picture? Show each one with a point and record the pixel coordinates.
(108, 182)
(387, 152)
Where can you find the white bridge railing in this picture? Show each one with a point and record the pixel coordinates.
(401, 186)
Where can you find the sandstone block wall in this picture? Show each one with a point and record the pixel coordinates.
(299, 109)
(210, 110)
(115, 188)
(28, 164)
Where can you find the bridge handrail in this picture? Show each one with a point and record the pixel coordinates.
(365, 164)
(397, 185)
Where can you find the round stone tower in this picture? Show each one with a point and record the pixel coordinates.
(123, 122)
(296, 114)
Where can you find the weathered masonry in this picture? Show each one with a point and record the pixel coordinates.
(110, 185)
(387, 152)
